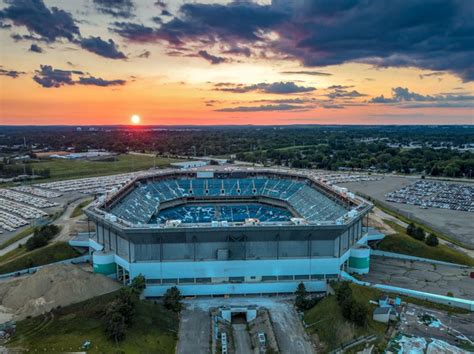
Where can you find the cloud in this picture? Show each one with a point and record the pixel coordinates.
(343, 93)
(262, 108)
(165, 13)
(428, 34)
(48, 77)
(11, 73)
(106, 49)
(115, 8)
(211, 58)
(37, 18)
(401, 95)
(306, 72)
(144, 54)
(209, 23)
(97, 81)
(36, 48)
(275, 87)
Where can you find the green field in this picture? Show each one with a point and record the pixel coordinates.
(154, 330)
(403, 243)
(326, 320)
(21, 259)
(68, 169)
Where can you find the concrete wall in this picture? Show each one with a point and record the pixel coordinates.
(244, 288)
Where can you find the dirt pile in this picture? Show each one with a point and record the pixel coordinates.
(52, 286)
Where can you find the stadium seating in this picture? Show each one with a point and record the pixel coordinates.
(141, 204)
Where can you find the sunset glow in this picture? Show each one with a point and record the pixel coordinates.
(178, 63)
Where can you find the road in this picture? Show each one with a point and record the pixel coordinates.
(194, 331)
(288, 328)
(241, 339)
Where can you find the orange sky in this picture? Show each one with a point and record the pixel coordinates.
(170, 90)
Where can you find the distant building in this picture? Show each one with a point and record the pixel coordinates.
(190, 164)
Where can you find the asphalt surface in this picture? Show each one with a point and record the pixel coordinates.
(241, 339)
(194, 331)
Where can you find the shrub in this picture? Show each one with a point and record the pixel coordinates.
(432, 240)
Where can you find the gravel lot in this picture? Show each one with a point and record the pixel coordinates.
(457, 224)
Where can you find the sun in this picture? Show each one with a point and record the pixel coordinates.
(135, 119)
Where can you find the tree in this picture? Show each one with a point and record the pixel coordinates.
(301, 294)
(359, 313)
(172, 299)
(115, 326)
(419, 234)
(411, 229)
(138, 284)
(432, 240)
(343, 292)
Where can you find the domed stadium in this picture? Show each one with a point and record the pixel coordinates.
(217, 232)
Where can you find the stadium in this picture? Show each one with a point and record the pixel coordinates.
(229, 231)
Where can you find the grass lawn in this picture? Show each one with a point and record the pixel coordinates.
(22, 259)
(68, 169)
(333, 329)
(403, 243)
(78, 210)
(154, 329)
(17, 237)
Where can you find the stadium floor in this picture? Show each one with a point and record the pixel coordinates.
(218, 212)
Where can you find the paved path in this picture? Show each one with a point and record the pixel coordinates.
(194, 331)
(241, 339)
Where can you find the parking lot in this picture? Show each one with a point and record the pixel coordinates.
(435, 195)
(455, 223)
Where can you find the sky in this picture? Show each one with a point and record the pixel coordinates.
(97, 62)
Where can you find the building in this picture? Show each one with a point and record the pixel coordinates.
(229, 231)
(189, 164)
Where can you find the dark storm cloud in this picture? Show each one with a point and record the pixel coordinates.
(429, 34)
(49, 77)
(306, 72)
(134, 31)
(213, 59)
(115, 8)
(97, 81)
(262, 108)
(50, 24)
(36, 48)
(106, 49)
(11, 73)
(209, 22)
(275, 87)
(401, 95)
